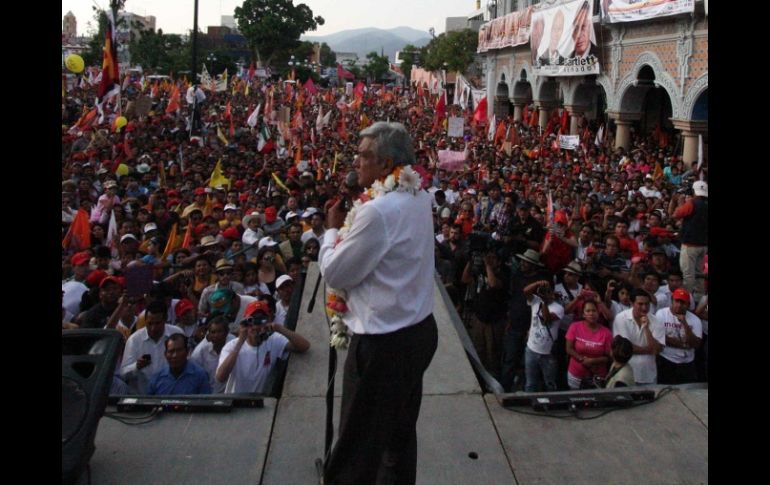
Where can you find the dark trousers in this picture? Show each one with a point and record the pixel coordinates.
(381, 397)
(672, 373)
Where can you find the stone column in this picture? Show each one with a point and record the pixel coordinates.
(542, 119)
(623, 123)
(518, 109)
(690, 131)
(575, 113)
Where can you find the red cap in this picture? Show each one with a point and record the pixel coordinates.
(293, 171)
(271, 214)
(660, 232)
(172, 193)
(256, 306)
(560, 217)
(200, 228)
(184, 305)
(96, 277)
(218, 205)
(681, 294)
(80, 258)
(231, 233)
(113, 279)
(199, 191)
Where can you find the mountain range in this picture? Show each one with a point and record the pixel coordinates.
(363, 41)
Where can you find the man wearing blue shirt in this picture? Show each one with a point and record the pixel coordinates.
(179, 376)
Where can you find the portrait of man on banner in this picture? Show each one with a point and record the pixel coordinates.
(567, 44)
(583, 33)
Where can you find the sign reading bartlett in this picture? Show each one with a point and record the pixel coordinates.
(631, 10)
(563, 41)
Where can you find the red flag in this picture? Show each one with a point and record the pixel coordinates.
(564, 121)
(533, 119)
(525, 114)
(79, 232)
(500, 132)
(232, 128)
(228, 110)
(480, 115)
(344, 74)
(109, 83)
(441, 107)
(252, 71)
(358, 91)
(310, 87)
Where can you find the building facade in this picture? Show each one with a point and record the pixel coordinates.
(653, 76)
(69, 28)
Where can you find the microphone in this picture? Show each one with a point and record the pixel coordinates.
(353, 189)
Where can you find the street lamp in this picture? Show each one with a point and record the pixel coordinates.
(212, 59)
(292, 64)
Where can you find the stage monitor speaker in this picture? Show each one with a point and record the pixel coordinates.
(88, 362)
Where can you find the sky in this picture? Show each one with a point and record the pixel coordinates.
(176, 16)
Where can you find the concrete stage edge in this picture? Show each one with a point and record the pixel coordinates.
(464, 436)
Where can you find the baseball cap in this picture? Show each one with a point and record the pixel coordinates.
(80, 258)
(266, 241)
(681, 294)
(183, 306)
(282, 279)
(150, 226)
(256, 306)
(111, 279)
(128, 236)
(701, 188)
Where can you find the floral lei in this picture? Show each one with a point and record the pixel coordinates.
(402, 179)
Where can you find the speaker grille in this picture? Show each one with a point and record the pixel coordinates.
(74, 408)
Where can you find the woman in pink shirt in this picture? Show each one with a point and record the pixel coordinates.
(589, 346)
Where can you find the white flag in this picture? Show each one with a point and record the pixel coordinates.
(112, 231)
(320, 119)
(492, 129)
(252, 120)
(599, 136)
(700, 151)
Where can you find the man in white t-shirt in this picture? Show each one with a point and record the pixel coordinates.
(646, 334)
(676, 362)
(284, 286)
(540, 364)
(245, 363)
(648, 189)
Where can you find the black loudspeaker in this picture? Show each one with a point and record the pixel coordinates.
(88, 359)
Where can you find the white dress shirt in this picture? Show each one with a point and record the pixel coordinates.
(137, 345)
(385, 263)
(644, 366)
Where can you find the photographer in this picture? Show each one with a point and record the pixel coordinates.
(488, 280)
(245, 363)
(540, 363)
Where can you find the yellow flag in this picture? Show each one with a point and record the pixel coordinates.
(207, 207)
(217, 178)
(334, 165)
(280, 183)
(246, 92)
(221, 136)
(171, 244)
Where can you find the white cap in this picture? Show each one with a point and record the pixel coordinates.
(309, 212)
(701, 188)
(445, 213)
(128, 236)
(150, 226)
(267, 241)
(282, 279)
(290, 214)
(231, 207)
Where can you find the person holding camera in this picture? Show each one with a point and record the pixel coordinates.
(540, 365)
(245, 363)
(144, 355)
(489, 281)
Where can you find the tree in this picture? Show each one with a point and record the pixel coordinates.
(456, 49)
(328, 57)
(353, 68)
(377, 66)
(270, 26)
(409, 57)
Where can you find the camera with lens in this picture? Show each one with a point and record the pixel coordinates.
(478, 244)
(543, 291)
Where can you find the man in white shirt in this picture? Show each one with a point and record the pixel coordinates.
(646, 334)
(245, 363)
(145, 352)
(317, 229)
(206, 353)
(676, 362)
(540, 365)
(385, 264)
(648, 189)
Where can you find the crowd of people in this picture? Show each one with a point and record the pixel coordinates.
(569, 267)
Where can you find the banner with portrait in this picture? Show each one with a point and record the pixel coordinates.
(506, 31)
(614, 11)
(563, 40)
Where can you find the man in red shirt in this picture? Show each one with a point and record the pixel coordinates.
(628, 245)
